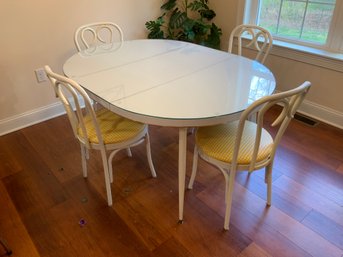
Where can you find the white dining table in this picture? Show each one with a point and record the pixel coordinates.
(170, 83)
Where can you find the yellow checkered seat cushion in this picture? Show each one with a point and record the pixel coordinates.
(218, 142)
(114, 128)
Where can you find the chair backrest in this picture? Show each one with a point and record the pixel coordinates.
(289, 100)
(253, 37)
(105, 35)
(74, 98)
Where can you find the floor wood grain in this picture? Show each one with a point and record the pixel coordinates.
(49, 209)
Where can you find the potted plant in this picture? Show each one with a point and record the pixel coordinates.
(186, 20)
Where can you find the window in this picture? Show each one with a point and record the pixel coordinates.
(302, 20)
(316, 24)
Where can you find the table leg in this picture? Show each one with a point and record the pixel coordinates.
(182, 169)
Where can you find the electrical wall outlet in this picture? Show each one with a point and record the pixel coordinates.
(41, 75)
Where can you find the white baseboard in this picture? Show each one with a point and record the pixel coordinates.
(322, 113)
(30, 118)
(26, 119)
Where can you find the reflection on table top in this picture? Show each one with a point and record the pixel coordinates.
(170, 83)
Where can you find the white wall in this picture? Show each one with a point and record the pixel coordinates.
(36, 32)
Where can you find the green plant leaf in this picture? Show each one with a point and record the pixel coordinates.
(207, 14)
(188, 24)
(181, 35)
(170, 4)
(190, 36)
(155, 28)
(197, 5)
(158, 34)
(177, 18)
(201, 28)
(213, 39)
(186, 20)
(188, 30)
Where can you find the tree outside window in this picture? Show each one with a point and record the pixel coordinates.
(315, 23)
(296, 19)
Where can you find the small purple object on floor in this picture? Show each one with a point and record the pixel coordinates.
(82, 222)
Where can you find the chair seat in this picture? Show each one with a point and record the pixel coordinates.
(99, 129)
(244, 145)
(114, 128)
(218, 142)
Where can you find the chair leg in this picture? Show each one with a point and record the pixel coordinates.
(194, 168)
(5, 246)
(110, 166)
(128, 151)
(230, 182)
(268, 180)
(107, 177)
(191, 131)
(84, 157)
(148, 151)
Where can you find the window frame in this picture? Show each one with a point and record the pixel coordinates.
(329, 55)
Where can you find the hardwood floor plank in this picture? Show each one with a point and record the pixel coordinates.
(33, 188)
(315, 200)
(172, 248)
(283, 201)
(41, 184)
(56, 145)
(340, 169)
(315, 177)
(54, 237)
(12, 228)
(325, 227)
(9, 164)
(291, 229)
(251, 224)
(108, 230)
(253, 250)
(142, 222)
(154, 207)
(202, 232)
(321, 143)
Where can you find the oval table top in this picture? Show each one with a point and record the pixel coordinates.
(170, 83)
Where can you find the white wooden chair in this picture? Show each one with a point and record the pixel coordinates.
(99, 129)
(253, 37)
(104, 35)
(245, 145)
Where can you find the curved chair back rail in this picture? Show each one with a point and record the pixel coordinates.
(105, 35)
(253, 37)
(98, 129)
(246, 145)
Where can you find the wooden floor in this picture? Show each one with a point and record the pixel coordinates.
(44, 198)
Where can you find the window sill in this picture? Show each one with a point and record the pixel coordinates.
(310, 55)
